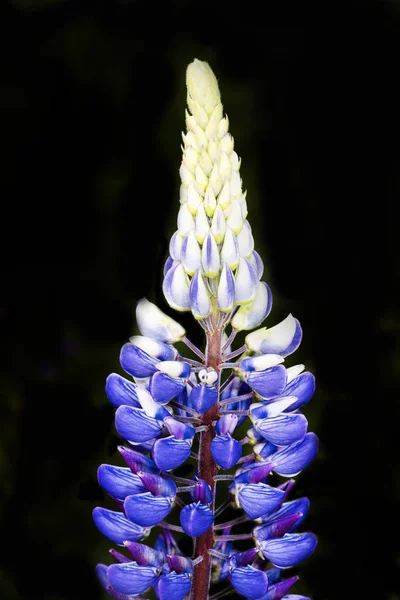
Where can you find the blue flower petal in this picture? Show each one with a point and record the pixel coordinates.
(277, 527)
(157, 485)
(121, 391)
(101, 572)
(119, 481)
(258, 499)
(250, 582)
(144, 555)
(202, 397)
(301, 505)
(147, 510)
(284, 429)
(136, 361)
(225, 450)
(137, 461)
(181, 431)
(173, 586)
(278, 590)
(164, 388)
(201, 492)
(180, 564)
(135, 426)
(131, 578)
(269, 383)
(196, 518)
(302, 386)
(115, 526)
(287, 551)
(294, 458)
(169, 453)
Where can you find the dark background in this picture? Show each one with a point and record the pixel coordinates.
(92, 105)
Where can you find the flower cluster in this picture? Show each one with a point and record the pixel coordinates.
(186, 412)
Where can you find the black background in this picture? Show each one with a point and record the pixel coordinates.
(92, 105)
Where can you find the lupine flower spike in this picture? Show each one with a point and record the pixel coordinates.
(174, 411)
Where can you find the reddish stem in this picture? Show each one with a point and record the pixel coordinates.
(207, 470)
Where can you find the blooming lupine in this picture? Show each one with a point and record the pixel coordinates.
(230, 418)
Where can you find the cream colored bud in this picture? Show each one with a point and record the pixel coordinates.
(202, 85)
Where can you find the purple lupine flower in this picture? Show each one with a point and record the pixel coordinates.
(176, 412)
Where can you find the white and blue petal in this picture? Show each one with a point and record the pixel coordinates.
(210, 256)
(226, 290)
(303, 386)
(196, 518)
(282, 339)
(154, 323)
(176, 288)
(136, 361)
(253, 314)
(115, 526)
(191, 253)
(147, 510)
(199, 297)
(131, 578)
(164, 388)
(287, 551)
(265, 410)
(154, 348)
(246, 282)
(121, 391)
(230, 249)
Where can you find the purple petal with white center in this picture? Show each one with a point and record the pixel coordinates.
(256, 260)
(226, 424)
(157, 485)
(210, 256)
(191, 253)
(169, 453)
(168, 264)
(287, 551)
(181, 431)
(282, 339)
(115, 526)
(279, 589)
(131, 578)
(201, 493)
(258, 499)
(202, 397)
(230, 249)
(250, 582)
(294, 458)
(137, 461)
(154, 323)
(173, 586)
(144, 555)
(147, 510)
(277, 527)
(246, 282)
(269, 383)
(199, 297)
(135, 426)
(302, 387)
(176, 288)
(301, 505)
(225, 450)
(164, 388)
(196, 518)
(175, 246)
(121, 391)
(272, 408)
(284, 429)
(136, 362)
(253, 314)
(226, 290)
(119, 481)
